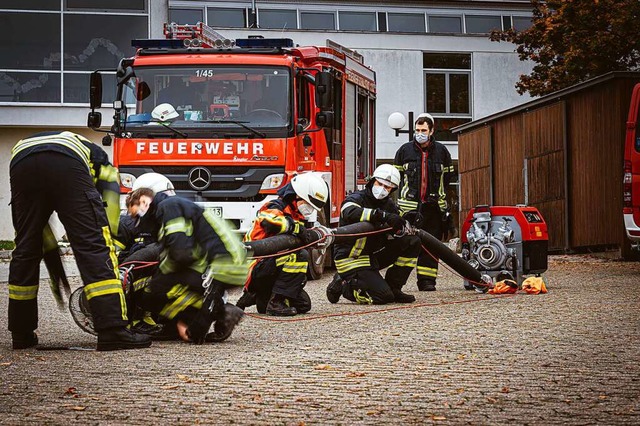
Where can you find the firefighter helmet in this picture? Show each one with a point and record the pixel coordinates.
(387, 174)
(154, 181)
(164, 112)
(311, 188)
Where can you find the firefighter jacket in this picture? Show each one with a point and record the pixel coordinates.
(277, 217)
(426, 175)
(360, 206)
(194, 238)
(104, 175)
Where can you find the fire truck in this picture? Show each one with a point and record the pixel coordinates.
(631, 183)
(246, 115)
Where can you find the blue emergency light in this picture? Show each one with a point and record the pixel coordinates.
(248, 43)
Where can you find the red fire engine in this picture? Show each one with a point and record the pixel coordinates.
(631, 195)
(247, 116)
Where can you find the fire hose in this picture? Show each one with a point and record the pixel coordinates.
(324, 237)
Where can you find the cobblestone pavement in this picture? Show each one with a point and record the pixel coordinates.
(455, 357)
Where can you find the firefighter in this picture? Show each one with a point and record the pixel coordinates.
(359, 262)
(193, 241)
(276, 283)
(426, 169)
(66, 173)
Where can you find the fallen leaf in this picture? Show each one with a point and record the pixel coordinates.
(170, 387)
(356, 374)
(323, 367)
(5, 364)
(438, 418)
(602, 397)
(78, 408)
(70, 391)
(505, 389)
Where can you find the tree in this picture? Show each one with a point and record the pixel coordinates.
(574, 40)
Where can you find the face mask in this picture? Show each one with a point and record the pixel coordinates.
(379, 192)
(305, 209)
(421, 137)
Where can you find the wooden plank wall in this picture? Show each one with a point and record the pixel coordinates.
(596, 151)
(507, 161)
(544, 133)
(474, 167)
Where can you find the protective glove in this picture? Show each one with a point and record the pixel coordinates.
(395, 222)
(415, 218)
(378, 217)
(295, 228)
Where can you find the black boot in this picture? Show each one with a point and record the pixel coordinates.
(113, 339)
(247, 299)
(334, 289)
(223, 327)
(278, 306)
(427, 285)
(24, 340)
(400, 297)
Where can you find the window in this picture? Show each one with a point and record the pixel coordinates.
(522, 23)
(406, 22)
(36, 49)
(278, 19)
(37, 69)
(445, 24)
(226, 17)
(186, 16)
(506, 22)
(106, 5)
(317, 21)
(30, 87)
(482, 24)
(357, 21)
(30, 4)
(448, 83)
(459, 61)
(96, 41)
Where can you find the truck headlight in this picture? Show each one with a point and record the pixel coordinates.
(272, 181)
(127, 180)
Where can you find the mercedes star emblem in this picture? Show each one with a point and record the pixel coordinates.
(199, 178)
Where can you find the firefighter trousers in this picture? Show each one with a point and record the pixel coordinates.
(42, 183)
(285, 276)
(365, 285)
(432, 223)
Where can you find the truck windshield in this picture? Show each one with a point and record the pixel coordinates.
(215, 99)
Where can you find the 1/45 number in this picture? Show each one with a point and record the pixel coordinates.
(204, 73)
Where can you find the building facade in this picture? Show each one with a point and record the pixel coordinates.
(432, 56)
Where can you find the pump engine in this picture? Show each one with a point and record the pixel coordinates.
(505, 242)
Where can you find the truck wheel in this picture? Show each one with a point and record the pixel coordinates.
(317, 259)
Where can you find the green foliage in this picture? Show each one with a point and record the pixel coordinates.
(574, 40)
(7, 245)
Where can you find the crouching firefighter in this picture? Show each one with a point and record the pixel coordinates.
(66, 173)
(358, 262)
(194, 243)
(276, 283)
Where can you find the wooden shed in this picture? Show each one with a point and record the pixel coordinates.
(562, 153)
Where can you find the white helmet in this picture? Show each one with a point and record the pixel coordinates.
(312, 189)
(154, 181)
(164, 112)
(387, 174)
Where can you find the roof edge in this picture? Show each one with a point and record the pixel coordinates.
(551, 97)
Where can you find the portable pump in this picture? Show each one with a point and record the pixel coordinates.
(505, 242)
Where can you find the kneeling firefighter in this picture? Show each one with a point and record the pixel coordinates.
(358, 263)
(276, 283)
(193, 241)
